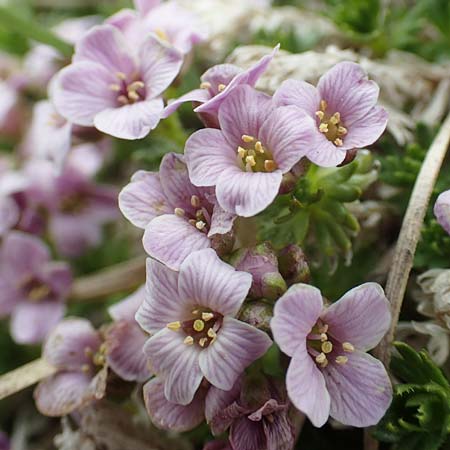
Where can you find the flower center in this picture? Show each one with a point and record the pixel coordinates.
(128, 91)
(96, 359)
(199, 217)
(252, 156)
(321, 346)
(201, 329)
(35, 290)
(331, 125)
(73, 203)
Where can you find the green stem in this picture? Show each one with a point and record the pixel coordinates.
(33, 31)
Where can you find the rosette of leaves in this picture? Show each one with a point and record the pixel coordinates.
(419, 416)
(314, 214)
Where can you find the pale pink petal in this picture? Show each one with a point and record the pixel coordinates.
(82, 90)
(170, 239)
(442, 210)
(58, 276)
(220, 74)
(171, 416)
(360, 390)
(347, 90)
(143, 199)
(127, 308)
(243, 112)
(247, 193)
(221, 221)
(130, 121)
(123, 19)
(289, 134)
(208, 154)
(106, 45)
(144, 6)
(294, 315)
(207, 281)
(298, 93)
(247, 435)
(362, 316)
(177, 363)
(306, 387)
(10, 296)
(218, 399)
(196, 96)
(324, 153)
(160, 64)
(238, 344)
(162, 304)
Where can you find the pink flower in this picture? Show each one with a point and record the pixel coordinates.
(216, 84)
(114, 87)
(330, 372)
(246, 159)
(178, 217)
(344, 108)
(125, 339)
(33, 288)
(191, 317)
(442, 210)
(76, 350)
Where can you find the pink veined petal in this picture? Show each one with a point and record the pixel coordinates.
(360, 390)
(367, 130)
(218, 399)
(221, 221)
(207, 281)
(160, 64)
(238, 344)
(58, 276)
(81, 91)
(324, 153)
(208, 154)
(143, 199)
(298, 93)
(171, 416)
(196, 96)
(177, 363)
(9, 213)
(247, 435)
(306, 387)
(442, 210)
(9, 296)
(106, 45)
(170, 239)
(66, 345)
(31, 322)
(243, 112)
(162, 304)
(124, 350)
(289, 134)
(127, 308)
(279, 433)
(362, 316)
(123, 19)
(130, 121)
(145, 6)
(294, 315)
(347, 90)
(247, 193)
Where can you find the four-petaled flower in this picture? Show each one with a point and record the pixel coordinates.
(330, 372)
(344, 108)
(195, 335)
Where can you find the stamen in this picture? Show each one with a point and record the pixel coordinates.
(342, 130)
(200, 225)
(199, 325)
(88, 352)
(161, 34)
(338, 142)
(193, 222)
(179, 212)
(323, 128)
(174, 326)
(250, 160)
(211, 333)
(221, 87)
(247, 138)
(269, 165)
(321, 358)
(323, 105)
(335, 118)
(258, 147)
(203, 341)
(121, 76)
(132, 95)
(189, 340)
(323, 328)
(327, 347)
(341, 359)
(114, 87)
(195, 201)
(205, 85)
(85, 368)
(251, 152)
(206, 316)
(320, 114)
(195, 312)
(323, 337)
(347, 347)
(122, 99)
(242, 152)
(136, 85)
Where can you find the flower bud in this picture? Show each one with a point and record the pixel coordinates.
(293, 265)
(257, 314)
(223, 243)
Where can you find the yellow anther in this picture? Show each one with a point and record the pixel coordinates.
(207, 316)
(199, 325)
(269, 165)
(247, 138)
(258, 147)
(88, 352)
(174, 326)
(251, 152)
(320, 114)
(199, 214)
(122, 99)
(348, 347)
(121, 76)
(85, 368)
(338, 142)
(195, 201)
(203, 341)
(321, 358)
(250, 160)
(114, 87)
(195, 311)
(341, 359)
(335, 118)
(323, 105)
(242, 152)
(188, 340)
(211, 333)
(179, 212)
(200, 225)
(221, 87)
(205, 85)
(193, 222)
(323, 337)
(323, 128)
(133, 95)
(342, 130)
(161, 34)
(327, 347)
(323, 328)
(135, 86)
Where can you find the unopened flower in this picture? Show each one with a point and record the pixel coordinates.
(113, 87)
(178, 217)
(330, 373)
(191, 316)
(344, 107)
(442, 210)
(33, 287)
(125, 339)
(293, 265)
(75, 348)
(246, 158)
(216, 84)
